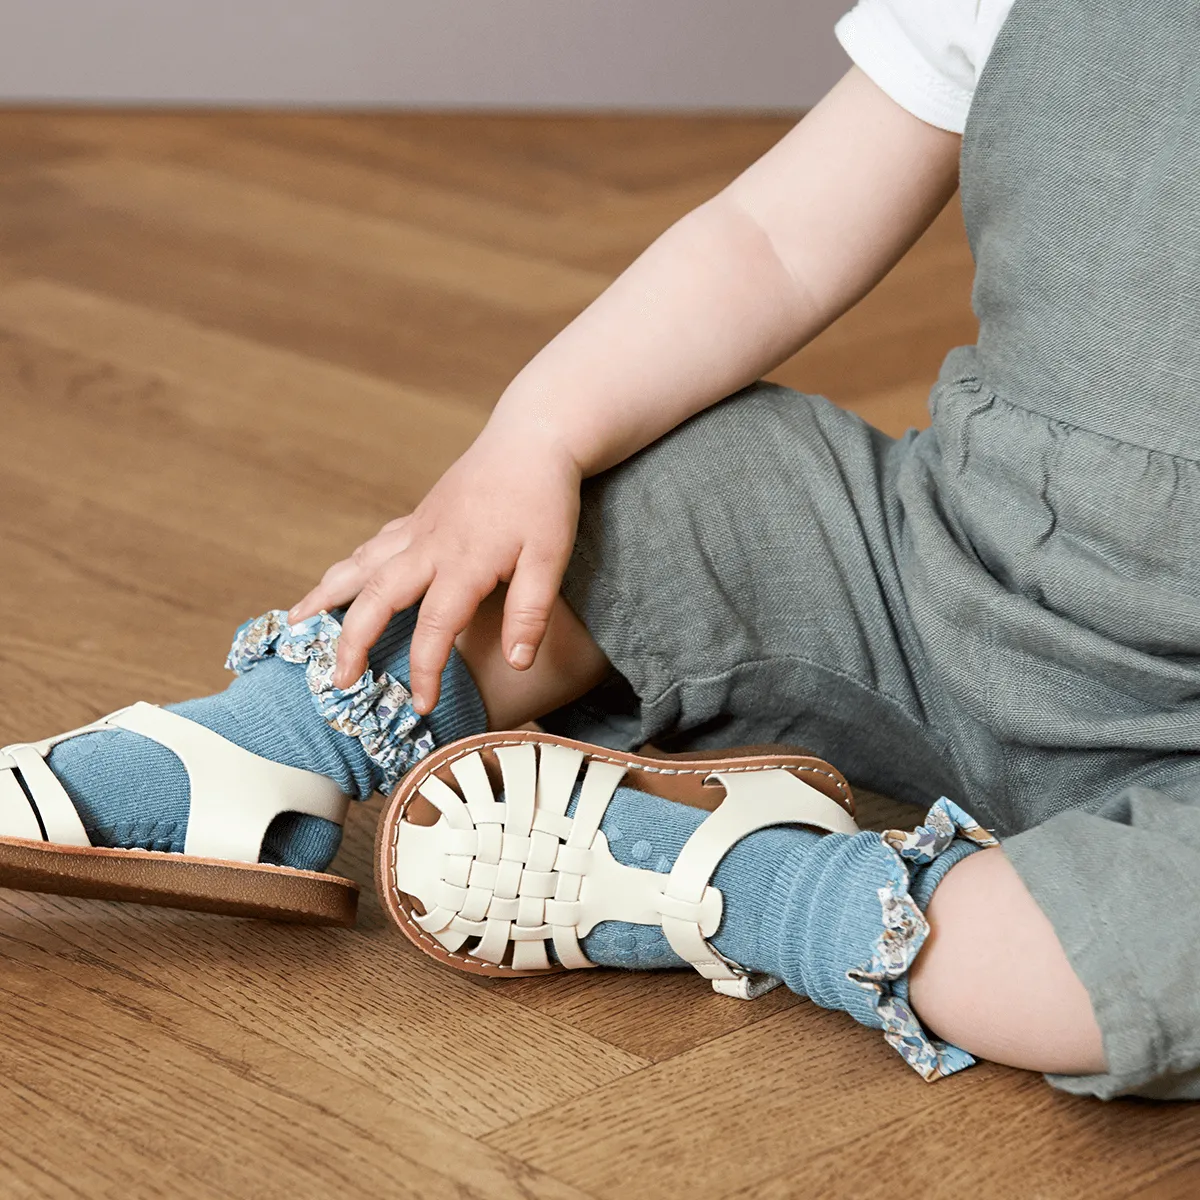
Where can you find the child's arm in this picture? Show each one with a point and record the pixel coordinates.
(727, 293)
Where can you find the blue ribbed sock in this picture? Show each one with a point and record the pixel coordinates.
(799, 905)
(648, 831)
(131, 792)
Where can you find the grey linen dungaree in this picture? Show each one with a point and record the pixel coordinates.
(1004, 608)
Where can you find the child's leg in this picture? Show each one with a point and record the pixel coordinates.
(994, 979)
(1016, 1002)
(568, 665)
(1019, 1003)
(1120, 887)
(991, 977)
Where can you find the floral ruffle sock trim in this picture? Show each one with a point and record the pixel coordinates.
(904, 932)
(375, 709)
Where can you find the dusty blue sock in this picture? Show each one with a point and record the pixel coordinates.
(131, 792)
(648, 831)
(799, 905)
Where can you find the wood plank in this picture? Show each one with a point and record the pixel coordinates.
(198, 200)
(1183, 1183)
(165, 1097)
(541, 162)
(598, 230)
(204, 480)
(381, 324)
(655, 1016)
(806, 1103)
(361, 1006)
(234, 381)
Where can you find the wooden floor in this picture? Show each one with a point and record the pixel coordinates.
(230, 347)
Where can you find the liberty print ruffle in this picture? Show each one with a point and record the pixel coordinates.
(375, 709)
(904, 932)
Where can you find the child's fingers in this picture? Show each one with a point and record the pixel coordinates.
(445, 612)
(396, 585)
(345, 579)
(339, 585)
(529, 603)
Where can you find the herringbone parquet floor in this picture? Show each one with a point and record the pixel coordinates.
(230, 347)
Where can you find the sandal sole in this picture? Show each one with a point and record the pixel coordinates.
(166, 880)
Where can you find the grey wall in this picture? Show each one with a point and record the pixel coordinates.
(438, 53)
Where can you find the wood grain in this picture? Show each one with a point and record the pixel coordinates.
(231, 346)
(802, 1105)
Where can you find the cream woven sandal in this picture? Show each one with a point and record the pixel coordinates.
(234, 797)
(484, 885)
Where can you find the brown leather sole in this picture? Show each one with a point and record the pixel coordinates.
(678, 777)
(179, 881)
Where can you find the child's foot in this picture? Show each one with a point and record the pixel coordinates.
(131, 792)
(580, 871)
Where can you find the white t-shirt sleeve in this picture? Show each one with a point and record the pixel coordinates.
(926, 54)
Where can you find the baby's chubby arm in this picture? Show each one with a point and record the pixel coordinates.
(727, 293)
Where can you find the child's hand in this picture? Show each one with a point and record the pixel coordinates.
(504, 512)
